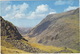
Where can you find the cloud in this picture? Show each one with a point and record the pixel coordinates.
(70, 8)
(52, 13)
(59, 2)
(18, 11)
(40, 12)
(20, 8)
(8, 8)
(42, 8)
(79, 3)
(62, 2)
(35, 15)
(3, 6)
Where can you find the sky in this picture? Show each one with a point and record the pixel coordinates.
(31, 13)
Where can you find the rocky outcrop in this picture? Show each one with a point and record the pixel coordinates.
(8, 29)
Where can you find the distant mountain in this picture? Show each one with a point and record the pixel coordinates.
(61, 30)
(23, 30)
(12, 39)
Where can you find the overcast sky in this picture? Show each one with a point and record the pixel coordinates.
(30, 13)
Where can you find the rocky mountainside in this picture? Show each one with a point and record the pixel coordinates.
(8, 29)
(12, 39)
(61, 30)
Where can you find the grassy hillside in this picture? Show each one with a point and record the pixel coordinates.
(9, 48)
(50, 48)
(6, 50)
(53, 49)
(60, 30)
(17, 46)
(6, 47)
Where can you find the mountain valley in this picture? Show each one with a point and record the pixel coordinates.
(57, 33)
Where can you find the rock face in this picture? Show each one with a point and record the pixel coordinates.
(59, 30)
(8, 29)
(9, 34)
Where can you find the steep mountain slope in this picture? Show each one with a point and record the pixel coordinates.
(61, 30)
(8, 29)
(11, 39)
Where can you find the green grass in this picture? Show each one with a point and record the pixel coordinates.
(7, 48)
(46, 48)
(52, 49)
(6, 44)
(73, 50)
